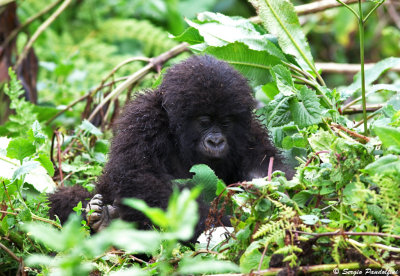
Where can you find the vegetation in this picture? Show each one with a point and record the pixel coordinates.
(340, 211)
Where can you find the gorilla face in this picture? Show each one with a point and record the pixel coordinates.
(213, 139)
(213, 142)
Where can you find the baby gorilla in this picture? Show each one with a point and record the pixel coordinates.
(202, 113)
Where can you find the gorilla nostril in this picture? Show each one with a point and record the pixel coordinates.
(216, 142)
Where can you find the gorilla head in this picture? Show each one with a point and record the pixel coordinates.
(209, 107)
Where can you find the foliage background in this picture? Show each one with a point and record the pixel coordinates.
(356, 183)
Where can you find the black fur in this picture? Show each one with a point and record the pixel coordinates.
(155, 140)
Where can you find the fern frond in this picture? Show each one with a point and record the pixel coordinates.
(269, 227)
(154, 40)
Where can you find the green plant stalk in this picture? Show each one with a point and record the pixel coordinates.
(361, 23)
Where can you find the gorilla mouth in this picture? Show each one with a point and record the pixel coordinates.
(214, 152)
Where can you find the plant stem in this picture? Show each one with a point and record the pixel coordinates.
(361, 23)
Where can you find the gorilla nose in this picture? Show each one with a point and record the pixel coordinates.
(216, 141)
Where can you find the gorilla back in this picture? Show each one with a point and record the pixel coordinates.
(202, 113)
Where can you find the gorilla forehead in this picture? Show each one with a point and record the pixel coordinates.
(205, 85)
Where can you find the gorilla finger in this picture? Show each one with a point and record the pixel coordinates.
(96, 208)
(97, 196)
(96, 202)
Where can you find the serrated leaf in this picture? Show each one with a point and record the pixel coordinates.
(371, 75)
(19, 148)
(306, 110)
(206, 178)
(254, 65)
(280, 19)
(283, 79)
(219, 30)
(277, 112)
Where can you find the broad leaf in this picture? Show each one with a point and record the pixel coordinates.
(280, 19)
(371, 75)
(19, 148)
(306, 110)
(277, 112)
(283, 79)
(389, 136)
(254, 65)
(389, 164)
(206, 178)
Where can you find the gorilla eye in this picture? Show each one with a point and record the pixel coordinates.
(226, 122)
(204, 120)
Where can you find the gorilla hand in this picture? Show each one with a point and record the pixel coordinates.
(99, 215)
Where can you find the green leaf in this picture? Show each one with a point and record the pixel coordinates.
(90, 128)
(46, 163)
(47, 235)
(280, 19)
(296, 140)
(386, 165)
(198, 266)
(157, 215)
(306, 110)
(19, 148)
(221, 187)
(309, 219)
(283, 79)
(254, 65)
(251, 258)
(206, 178)
(277, 112)
(301, 198)
(371, 75)
(389, 136)
(270, 90)
(378, 214)
(191, 35)
(25, 169)
(219, 30)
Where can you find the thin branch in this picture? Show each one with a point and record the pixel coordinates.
(39, 31)
(362, 121)
(319, 6)
(372, 11)
(393, 14)
(314, 268)
(340, 68)
(359, 109)
(154, 62)
(338, 233)
(9, 252)
(83, 98)
(57, 133)
(35, 217)
(270, 167)
(351, 133)
(15, 32)
(115, 69)
(350, 8)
